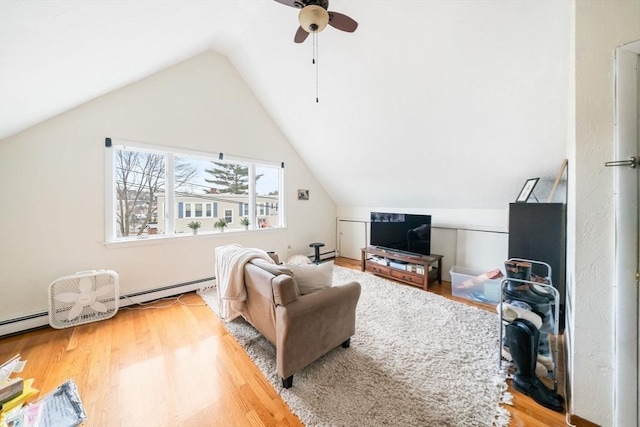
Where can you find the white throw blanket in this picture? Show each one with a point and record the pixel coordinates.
(230, 261)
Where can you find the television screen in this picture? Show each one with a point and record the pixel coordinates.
(401, 232)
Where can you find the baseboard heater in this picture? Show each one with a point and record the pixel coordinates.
(38, 320)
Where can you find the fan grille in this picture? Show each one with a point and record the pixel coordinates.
(104, 291)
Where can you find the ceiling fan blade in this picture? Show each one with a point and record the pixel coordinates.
(298, 4)
(301, 35)
(342, 22)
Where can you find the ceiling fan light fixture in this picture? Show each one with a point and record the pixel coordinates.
(313, 18)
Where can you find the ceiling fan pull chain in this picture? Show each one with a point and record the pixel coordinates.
(313, 48)
(316, 60)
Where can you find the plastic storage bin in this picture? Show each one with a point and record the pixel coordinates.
(486, 292)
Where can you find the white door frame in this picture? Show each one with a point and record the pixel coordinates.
(626, 185)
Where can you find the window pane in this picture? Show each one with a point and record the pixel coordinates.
(228, 178)
(230, 181)
(194, 192)
(267, 196)
(140, 178)
(201, 182)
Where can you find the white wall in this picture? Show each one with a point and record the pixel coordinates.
(482, 250)
(457, 234)
(473, 219)
(600, 26)
(52, 189)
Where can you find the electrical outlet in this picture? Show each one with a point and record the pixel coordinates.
(288, 248)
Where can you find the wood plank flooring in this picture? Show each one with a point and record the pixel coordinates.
(174, 364)
(168, 365)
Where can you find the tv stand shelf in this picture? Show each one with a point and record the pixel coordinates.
(418, 273)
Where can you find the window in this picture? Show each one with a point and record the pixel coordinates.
(159, 190)
(228, 216)
(138, 178)
(243, 209)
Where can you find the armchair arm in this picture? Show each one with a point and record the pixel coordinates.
(314, 324)
(285, 290)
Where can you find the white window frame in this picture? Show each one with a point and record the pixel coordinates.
(170, 208)
(228, 213)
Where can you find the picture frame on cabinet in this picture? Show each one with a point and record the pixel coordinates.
(527, 189)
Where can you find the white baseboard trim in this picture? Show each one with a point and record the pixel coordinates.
(38, 320)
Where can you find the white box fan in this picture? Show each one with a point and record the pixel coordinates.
(84, 297)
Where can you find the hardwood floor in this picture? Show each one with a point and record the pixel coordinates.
(173, 364)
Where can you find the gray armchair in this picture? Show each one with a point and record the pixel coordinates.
(301, 327)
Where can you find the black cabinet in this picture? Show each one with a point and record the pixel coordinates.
(537, 231)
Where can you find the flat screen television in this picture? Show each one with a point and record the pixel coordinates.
(401, 232)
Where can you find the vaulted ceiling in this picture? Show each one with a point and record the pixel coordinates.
(429, 104)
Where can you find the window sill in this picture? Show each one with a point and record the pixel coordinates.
(161, 239)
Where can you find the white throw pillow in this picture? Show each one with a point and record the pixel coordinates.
(298, 259)
(312, 277)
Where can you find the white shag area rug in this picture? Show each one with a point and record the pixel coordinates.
(416, 359)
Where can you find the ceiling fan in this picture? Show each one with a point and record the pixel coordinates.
(314, 17)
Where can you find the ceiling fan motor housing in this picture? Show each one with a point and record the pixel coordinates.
(301, 4)
(313, 18)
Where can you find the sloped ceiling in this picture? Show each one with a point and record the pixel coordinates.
(429, 104)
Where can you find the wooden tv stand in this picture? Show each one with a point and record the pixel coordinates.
(392, 263)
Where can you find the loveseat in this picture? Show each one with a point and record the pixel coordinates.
(302, 327)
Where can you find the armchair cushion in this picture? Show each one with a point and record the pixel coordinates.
(274, 269)
(312, 277)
